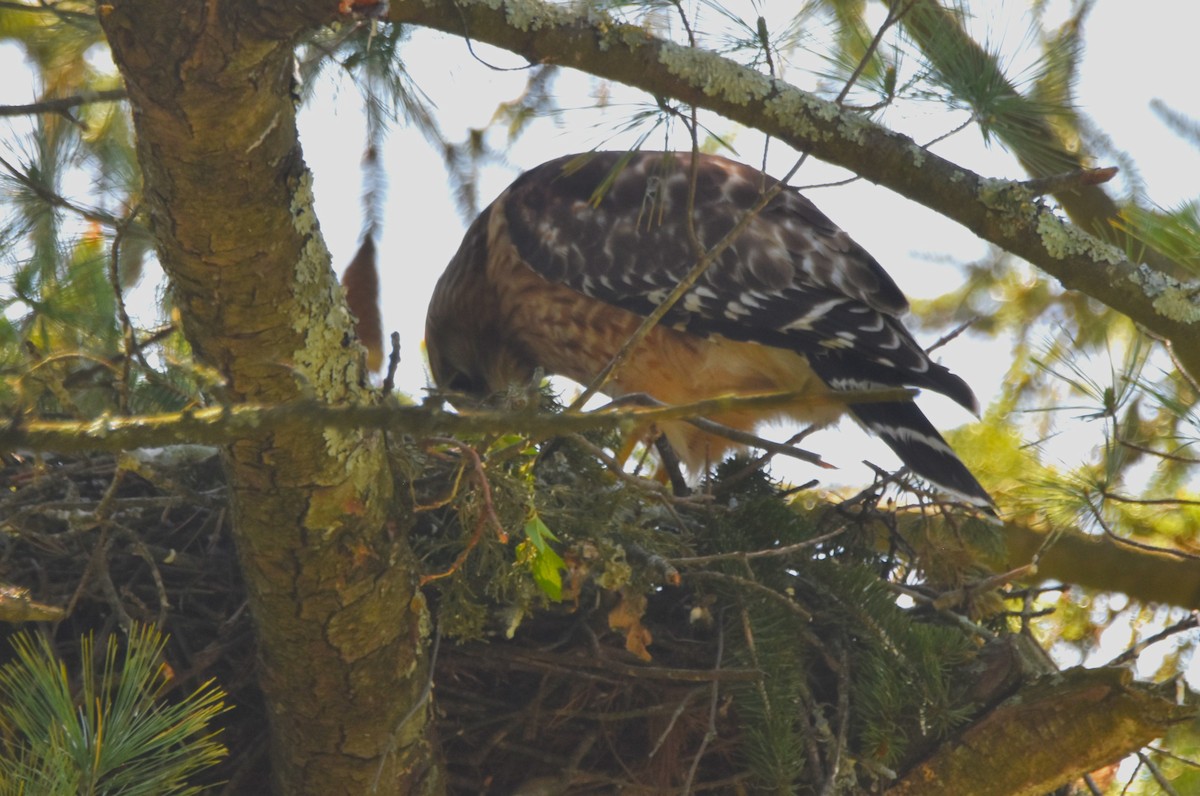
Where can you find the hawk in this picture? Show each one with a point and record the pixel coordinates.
(559, 271)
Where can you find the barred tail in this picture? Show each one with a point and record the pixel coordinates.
(906, 430)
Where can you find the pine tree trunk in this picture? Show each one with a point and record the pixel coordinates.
(341, 628)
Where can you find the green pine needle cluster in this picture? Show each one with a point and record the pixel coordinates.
(109, 732)
(863, 681)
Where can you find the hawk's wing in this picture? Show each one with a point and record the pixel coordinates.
(613, 227)
(792, 279)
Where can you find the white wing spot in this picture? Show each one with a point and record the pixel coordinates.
(848, 383)
(876, 326)
(805, 321)
(904, 434)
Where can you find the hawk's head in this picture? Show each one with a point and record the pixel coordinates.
(469, 347)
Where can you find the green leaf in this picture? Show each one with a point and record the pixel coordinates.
(544, 563)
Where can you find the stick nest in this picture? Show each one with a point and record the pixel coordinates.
(689, 650)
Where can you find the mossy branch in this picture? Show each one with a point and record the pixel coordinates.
(1050, 733)
(226, 424)
(1001, 212)
(1104, 563)
(1068, 555)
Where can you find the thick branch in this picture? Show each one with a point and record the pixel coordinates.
(997, 211)
(1050, 733)
(1103, 563)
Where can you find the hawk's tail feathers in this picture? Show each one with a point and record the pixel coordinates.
(906, 430)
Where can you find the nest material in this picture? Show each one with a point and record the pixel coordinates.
(569, 704)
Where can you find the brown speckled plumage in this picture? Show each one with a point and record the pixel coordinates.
(561, 269)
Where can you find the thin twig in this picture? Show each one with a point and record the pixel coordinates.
(487, 512)
(103, 545)
(1104, 493)
(1071, 180)
(843, 716)
(143, 552)
(957, 618)
(63, 104)
(683, 703)
(55, 200)
(1192, 620)
(711, 732)
(127, 334)
(1177, 758)
(645, 484)
(1111, 534)
(950, 335)
(894, 15)
(389, 381)
(758, 462)
(749, 555)
(1155, 772)
(84, 375)
(756, 587)
(737, 435)
(992, 582)
(1171, 457)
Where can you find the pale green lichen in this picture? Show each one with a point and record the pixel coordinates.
(1006, 196)
(796, 110)
(792, 108)
(918, 157)
(630, 36)
(1015, 206)
(530, 15)
(716, 77)
(1178, 301)
(323, 320)
(853, 127)
(1063, 240)
(304, 214)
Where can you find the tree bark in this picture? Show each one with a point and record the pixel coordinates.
(1050, 733)
(1103, 563)
(341, 628)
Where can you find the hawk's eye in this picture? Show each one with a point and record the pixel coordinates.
(461, 382)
